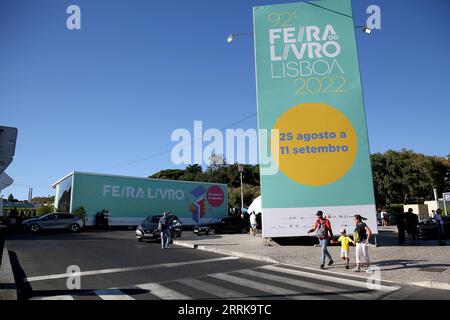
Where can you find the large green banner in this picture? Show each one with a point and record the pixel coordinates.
(130, 200)
(310, 98)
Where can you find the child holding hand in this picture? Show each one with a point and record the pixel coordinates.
(345, 246)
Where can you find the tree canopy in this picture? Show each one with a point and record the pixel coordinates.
(405, 176)
(220, 173)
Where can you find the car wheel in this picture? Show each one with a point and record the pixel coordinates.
(139, 239)
(211, 232)
(35, 228)
(74, 227)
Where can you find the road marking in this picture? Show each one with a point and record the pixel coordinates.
(402, 294)
(163, 292)
(115, 270)
(317, 276)
(215, 290)
(62, 297)
(290, 281)
(113, 294)
(259, 286)
(339, 292)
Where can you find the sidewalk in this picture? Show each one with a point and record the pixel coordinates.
(426, 265)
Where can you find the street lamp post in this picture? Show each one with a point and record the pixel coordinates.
(241, 170)
(232, 36)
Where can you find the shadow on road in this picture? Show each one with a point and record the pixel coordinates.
(23, 286)
(401, 264)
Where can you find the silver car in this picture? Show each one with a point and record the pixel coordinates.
(54, 221)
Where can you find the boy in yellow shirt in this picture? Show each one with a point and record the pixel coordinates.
(345, 247)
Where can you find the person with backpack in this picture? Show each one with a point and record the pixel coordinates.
(361, 236)
(324, 233)
(164, 227)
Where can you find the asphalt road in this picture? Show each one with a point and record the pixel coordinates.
(114, 265)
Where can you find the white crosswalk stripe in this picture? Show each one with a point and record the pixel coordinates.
(260, 286)
(163, 292)
(332, 279)
(215, 290)
(61, 297)
(112, 294)
(268, 281)
(315, 287)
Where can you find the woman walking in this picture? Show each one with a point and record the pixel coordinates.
(361, 236)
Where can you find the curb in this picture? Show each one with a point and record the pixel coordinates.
(432, 284)
(425, 284)
(224, 252)
(8, 288)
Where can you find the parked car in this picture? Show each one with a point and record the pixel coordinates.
(223, 225)
(148, 229)
(429, 228)
(54, 221)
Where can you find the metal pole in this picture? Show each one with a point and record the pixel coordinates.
(241, 170)
(444, 196)
(242, 194)
(1, 204)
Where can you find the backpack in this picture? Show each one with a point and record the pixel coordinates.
(322, 230)
(357, 233)
(356, 237)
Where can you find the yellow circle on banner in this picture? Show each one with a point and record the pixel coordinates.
(317, 144)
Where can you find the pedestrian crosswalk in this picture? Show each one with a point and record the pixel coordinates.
(263, 282)
(162, 292)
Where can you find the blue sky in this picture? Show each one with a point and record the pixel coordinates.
(113, 92)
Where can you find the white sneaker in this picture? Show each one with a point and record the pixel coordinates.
(369, 271)
(357, 270)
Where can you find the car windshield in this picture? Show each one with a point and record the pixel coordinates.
(48, 215)
(153, 219)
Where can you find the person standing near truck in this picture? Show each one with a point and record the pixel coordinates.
(324, 234)
(440, 227)
(253, 223)
(164, 227)
(106, 219)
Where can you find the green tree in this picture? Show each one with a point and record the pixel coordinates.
(169, 174)
(406, 176)
(11, 198)
(80, 212)
(44, 210)
(250, 194)
(43, 200)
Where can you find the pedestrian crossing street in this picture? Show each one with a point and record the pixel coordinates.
(264, 282)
